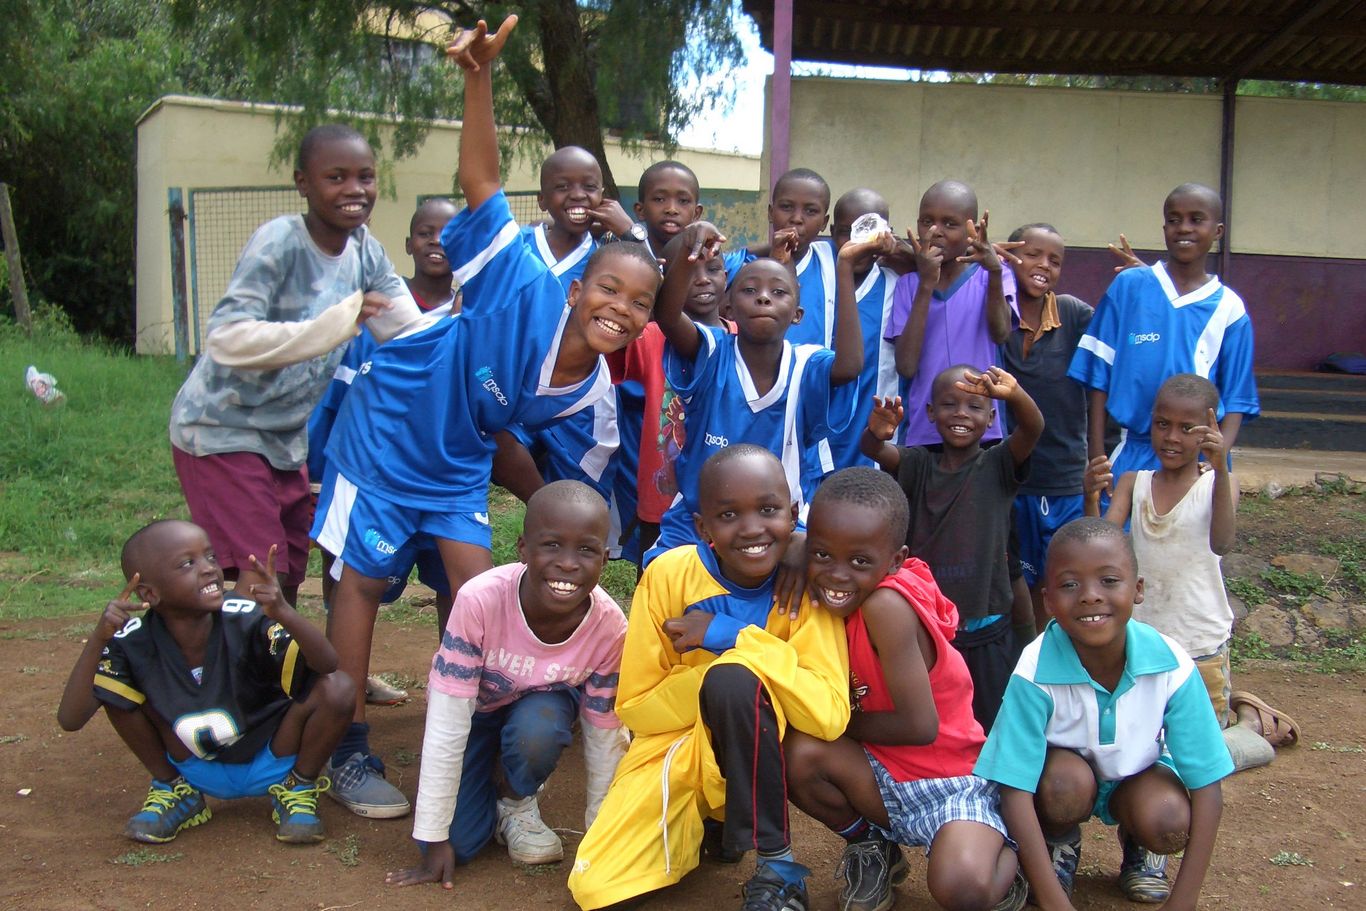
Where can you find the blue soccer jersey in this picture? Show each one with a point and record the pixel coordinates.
(568, 269)
(724, 408)
(878, 377)
(1144, 332)
(816, 294)
(417, 426)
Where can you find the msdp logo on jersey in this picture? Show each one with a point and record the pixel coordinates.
(485, 377)
(375, 541)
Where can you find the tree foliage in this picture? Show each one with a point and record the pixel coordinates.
(77, 75)
(576, 69)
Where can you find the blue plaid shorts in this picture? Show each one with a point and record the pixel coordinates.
(917, 810)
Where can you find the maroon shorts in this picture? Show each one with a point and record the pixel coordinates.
(245, 505)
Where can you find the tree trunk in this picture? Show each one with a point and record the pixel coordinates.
(574, 117)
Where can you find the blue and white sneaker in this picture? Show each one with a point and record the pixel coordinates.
(169, 807)
(294, 807)
(1066, 857)
(358, 784)
(1142, 874)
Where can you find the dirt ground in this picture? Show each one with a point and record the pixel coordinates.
(1291, 840)
(61, 846)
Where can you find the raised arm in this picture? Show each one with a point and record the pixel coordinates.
(875, 442)
(474, 50)
(998, 384)
(686, 254)
(1223, 526)
(982, 251)
(317, 651)
(78, 698)
(848, 335)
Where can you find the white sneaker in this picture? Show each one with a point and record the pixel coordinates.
(528, 838)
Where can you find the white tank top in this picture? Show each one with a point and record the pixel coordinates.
(1183, 593)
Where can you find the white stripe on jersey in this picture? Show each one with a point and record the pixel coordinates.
(1182, 300)
(560, 267)
(1229, 310)
(507, 234)
(1098, 348)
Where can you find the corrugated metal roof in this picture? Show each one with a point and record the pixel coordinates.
(1300, 40)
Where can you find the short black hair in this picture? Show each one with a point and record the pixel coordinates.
(321, 136)
(1190, 386)
(1091, 528)
(136, 546)
(1210, 194)
(804, 174)
(728, 454)
(625, 248)
(658, 167)
(565, 153)
(566, 491)
(1019, 233)
(865, 200)
(869, 487)
(426, 204)
(950, 375)
(966, 195)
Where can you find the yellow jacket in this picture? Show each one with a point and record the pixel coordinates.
(649, 830)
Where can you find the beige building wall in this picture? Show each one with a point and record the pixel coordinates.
(195, 143)
(1094, 163)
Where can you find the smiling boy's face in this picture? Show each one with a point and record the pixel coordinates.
(1190, 225)
(961, 417)
(340, 183)
(1040, 262)
(849, 551)
(1091, 586)
(669, 204)
(424, 242)
(564, 547)
(746, 514)
(613, 301)
(571, 187)
(178, 569)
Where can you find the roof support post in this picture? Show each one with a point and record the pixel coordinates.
(780, 111)
(1230, 106)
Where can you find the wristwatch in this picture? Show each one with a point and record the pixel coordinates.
(636, 233)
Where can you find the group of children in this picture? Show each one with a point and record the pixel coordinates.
(849, 552)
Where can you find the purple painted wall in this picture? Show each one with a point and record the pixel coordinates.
(1302, 309)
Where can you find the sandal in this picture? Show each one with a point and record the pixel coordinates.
(1278, 728)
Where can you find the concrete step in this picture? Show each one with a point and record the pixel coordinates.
(1317, 401)
(1306, 430)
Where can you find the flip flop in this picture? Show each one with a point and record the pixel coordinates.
(378, 692)
(1278, 728)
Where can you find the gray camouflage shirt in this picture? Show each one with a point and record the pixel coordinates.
(281, 276)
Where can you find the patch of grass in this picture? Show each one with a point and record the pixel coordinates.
(1341, 652)
(1247, 591)
(1351, 555)
(1296, 585)
(1291, 859)
(1250, 647)
(405, 757)
(13, 738)
(80, 477)
(402, 681)
(347, 850)
(140, 856)
(1325, 747)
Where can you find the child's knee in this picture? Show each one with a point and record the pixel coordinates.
(727, 687)
(1067, 790)
(968, 885)
(336, 693)
(1162, 822)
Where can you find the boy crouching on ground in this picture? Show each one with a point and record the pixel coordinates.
(1105, 716)
(227, 697)
(712, 676)
(529, 647)
(904, 765)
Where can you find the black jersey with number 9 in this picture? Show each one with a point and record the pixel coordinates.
(252, 670)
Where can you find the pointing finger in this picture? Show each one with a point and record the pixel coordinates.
(131, 587)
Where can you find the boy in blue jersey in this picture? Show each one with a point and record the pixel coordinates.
(1105, 716)
(754, 386)
(431, 287)
(1172, 317)
(225, 696)
(871, 284)
(798, 213)
(413, 443)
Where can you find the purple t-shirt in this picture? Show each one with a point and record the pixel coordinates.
(955, 333)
